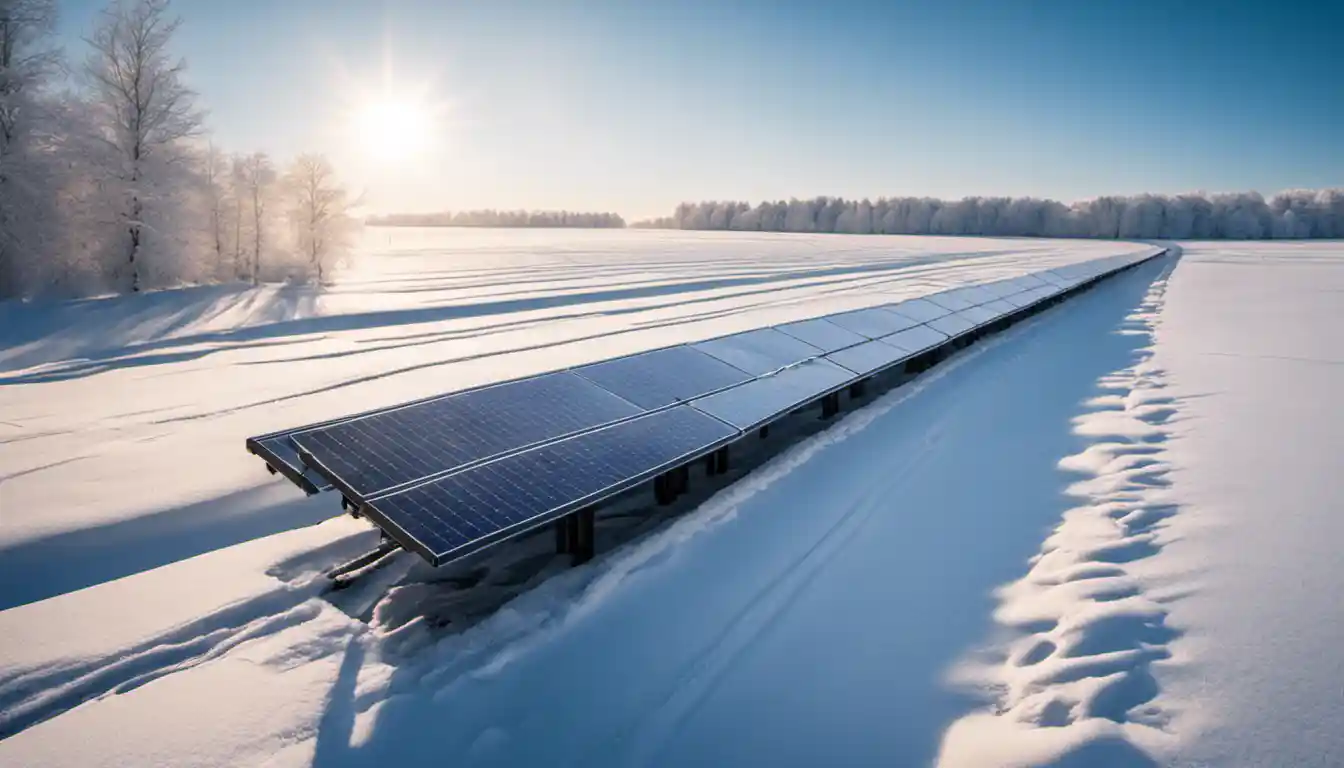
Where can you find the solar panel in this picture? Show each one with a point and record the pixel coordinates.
(466, 511)
(1029, 281)
(953, 325)
(282, 455)
(663, 376)
(977, 294)
(1054, 279)
(760, 351)
(999, 288)
(761, 400)
(1001, 307)
(822, 334)
(980, 315)
(922, 310)
(950, 300)
(917, 339)
(372, 454)
(872, 322)
(868, 358)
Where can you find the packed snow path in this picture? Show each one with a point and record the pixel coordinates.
(1034, 551)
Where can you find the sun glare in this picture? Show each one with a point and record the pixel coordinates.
(393, 130)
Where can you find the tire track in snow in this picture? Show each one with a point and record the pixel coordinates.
(31, 696)
(1077, 671)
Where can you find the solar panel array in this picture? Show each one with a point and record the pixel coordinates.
(452, 474)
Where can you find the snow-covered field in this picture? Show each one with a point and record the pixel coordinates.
(1105, 537)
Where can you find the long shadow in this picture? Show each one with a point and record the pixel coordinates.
(812, 623)
(115, 357)
(54, 565)
(36, 332)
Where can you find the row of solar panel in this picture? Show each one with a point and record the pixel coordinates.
(452, 474)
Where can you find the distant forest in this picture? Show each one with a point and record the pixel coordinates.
(1300, 213)
(493, 218)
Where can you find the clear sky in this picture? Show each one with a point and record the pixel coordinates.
(634, 106)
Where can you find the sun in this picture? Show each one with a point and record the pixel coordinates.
(392, 129)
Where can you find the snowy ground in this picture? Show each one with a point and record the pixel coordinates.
(1102, 538)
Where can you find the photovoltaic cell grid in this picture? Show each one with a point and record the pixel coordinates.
(759, 352)
(868, 358)
(369, 455)
(822, 334)
(468, 510)
(921, 310)
(576, 432)
(763, 399)
(874, 322)
(917, 339)
(663, 376)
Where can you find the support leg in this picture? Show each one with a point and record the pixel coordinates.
(562, 536)
(683, 479)
(830, 405)
(765, 431)
(584, 535)
(721, 461)
(663, 489)
(858, 389)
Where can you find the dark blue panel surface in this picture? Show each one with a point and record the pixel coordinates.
(372, 454)
(868, 358)
(822, 334)
(952, 325)
(873, 322)
(977, 294)
(1001, 307)
(759, 352)
(922, 310)
(980, 315)
(950, 300)
(917, 339)
(460, 513)
(663, 376)
(763, 399)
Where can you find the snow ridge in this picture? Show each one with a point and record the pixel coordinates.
(31, 696)
(1074, 679)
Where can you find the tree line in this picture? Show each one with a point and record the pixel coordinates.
(1197, 216)
(494, 218)
(109, 181)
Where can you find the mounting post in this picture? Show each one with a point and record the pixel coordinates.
(561, 536)
(681, 479)
(830, 405)
(584, 533)
(384, 548)
(663, 489)
(720, 458)
(858, 389)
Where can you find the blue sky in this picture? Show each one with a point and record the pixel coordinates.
(634, 106)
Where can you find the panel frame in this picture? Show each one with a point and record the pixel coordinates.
(578, 370)
(356, 497)
(776, 415)
(368, 509)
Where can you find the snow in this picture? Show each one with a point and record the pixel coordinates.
(1102, 537)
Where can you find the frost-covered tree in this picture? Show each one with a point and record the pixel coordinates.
(257, 177)
(1242, 215)
(144, 114)
(28, 62)
(319, 212)
(215, 180)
